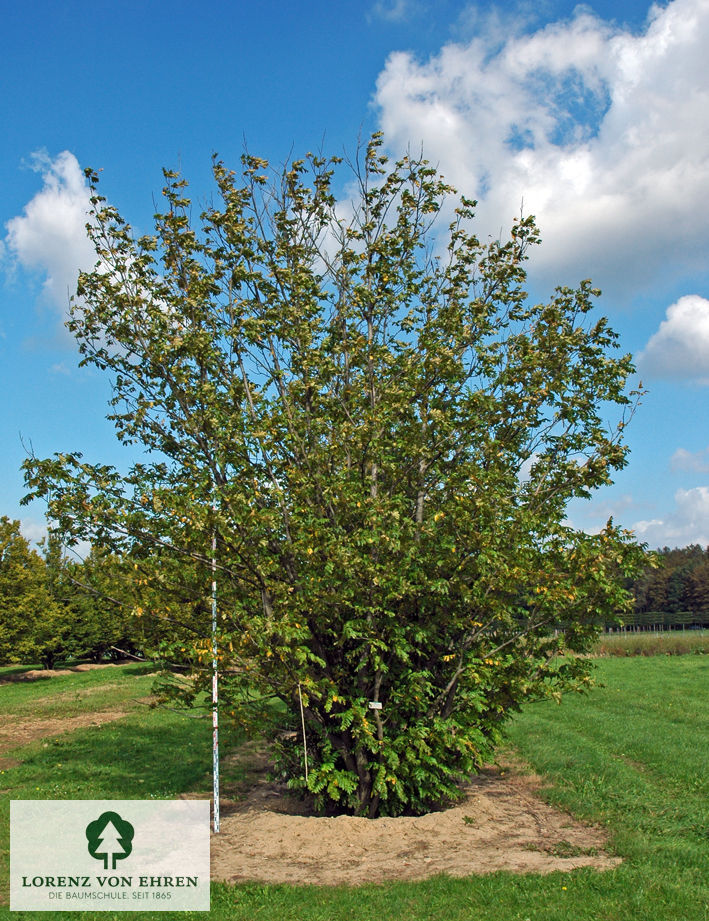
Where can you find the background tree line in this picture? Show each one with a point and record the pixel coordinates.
(678, 585)
(54, 608)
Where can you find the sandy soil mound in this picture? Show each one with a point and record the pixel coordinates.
(34, 674)
(501, 825)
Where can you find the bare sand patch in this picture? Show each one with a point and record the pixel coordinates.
(502, 824)
(22, 728)
(16, 732)
(35, 674)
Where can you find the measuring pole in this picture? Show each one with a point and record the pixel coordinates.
(215, 676)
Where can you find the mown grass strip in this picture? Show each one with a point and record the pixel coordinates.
(148, 754)
(633, 756)
(66, 694)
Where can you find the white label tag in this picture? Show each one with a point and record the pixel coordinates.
(375, 705)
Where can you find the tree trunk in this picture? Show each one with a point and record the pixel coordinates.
(367, 805)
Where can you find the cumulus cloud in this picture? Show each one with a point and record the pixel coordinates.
(602, 133)
(32, 530)
(591, 515)
(687, 524)
(680, 347)
(690, 462)
(49, 237)
(36, 531)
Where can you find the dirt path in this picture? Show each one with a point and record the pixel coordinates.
(22, 728)
(501, 825)
(15, 733)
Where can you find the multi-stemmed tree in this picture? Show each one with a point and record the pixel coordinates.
(383, 433)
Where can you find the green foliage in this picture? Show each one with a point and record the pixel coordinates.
(382, 433)
(30, 627)
(87, 621)
(675, 585)
(98, 599)
(53, 608)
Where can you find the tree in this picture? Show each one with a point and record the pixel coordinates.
(30, 628)
(383, 433)
(97, 599)
(675, 582)
(697, 588)
(54, 608)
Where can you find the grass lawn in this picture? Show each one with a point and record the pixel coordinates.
(631, 755)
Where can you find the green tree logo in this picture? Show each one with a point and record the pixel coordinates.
(110, 839)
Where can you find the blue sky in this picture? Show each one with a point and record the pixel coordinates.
(595, 118)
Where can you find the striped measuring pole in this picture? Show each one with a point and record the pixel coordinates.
(215, 682)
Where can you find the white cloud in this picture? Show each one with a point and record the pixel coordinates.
(687, 524)
(692, 462)
(36, 531)
(603, 133)
(591, 515)
(32, 530)
(680, 347)
(50, 235)
(525, 470)
(393, 10)
(61, 368)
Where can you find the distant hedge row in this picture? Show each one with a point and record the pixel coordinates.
(664, 620)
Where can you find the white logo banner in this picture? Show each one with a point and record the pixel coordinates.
(109, 855)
